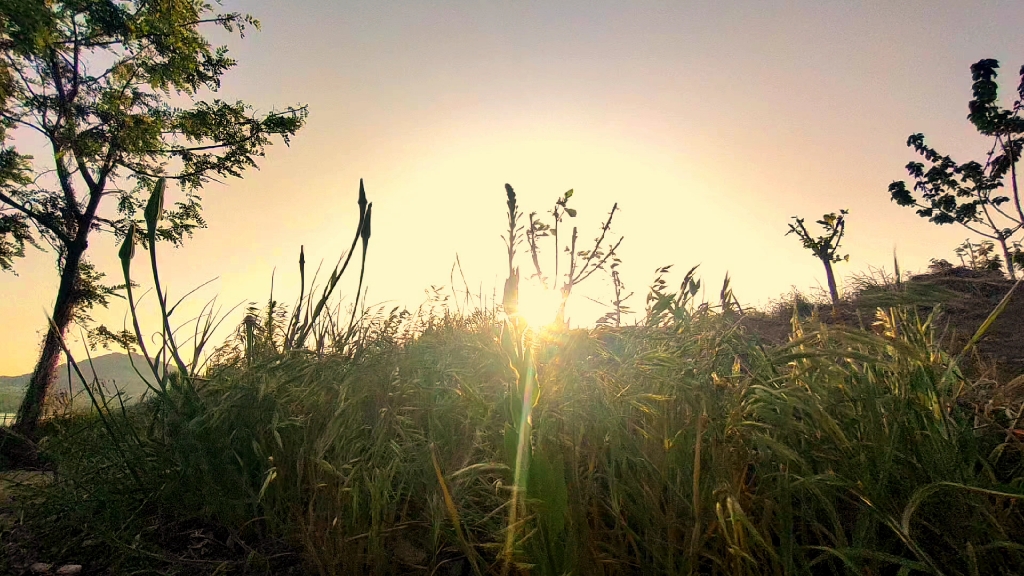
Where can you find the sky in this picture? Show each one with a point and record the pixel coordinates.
(710, 124)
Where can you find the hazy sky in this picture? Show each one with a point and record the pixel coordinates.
(710, 123)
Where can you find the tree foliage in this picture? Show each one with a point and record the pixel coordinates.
(103, 82)
(983, 198)
(112, 88)
(826, 246)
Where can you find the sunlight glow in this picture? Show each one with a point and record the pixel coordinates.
(538, 305)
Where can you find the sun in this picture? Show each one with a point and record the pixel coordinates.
(538, 305)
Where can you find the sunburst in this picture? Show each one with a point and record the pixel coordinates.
(538, 305)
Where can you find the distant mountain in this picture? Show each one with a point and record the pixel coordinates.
(113, 370)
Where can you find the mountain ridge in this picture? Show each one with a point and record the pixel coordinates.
(113, 370)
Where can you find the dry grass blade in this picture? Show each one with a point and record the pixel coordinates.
(990, 319)
(453, 512)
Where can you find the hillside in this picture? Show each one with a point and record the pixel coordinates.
(113, 370)
(964, 298)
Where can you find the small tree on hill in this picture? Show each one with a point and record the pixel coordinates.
(980, 256)
(824, 247)
(111, 88)
(973, 194)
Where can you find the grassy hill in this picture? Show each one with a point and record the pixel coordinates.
(963, 298)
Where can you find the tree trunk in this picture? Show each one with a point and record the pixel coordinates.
(46, 370)
(831, 281)
(1009, 259)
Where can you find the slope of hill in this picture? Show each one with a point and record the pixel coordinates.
(113, 370)
(965, 298)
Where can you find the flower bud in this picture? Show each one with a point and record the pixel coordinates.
(365, 232)
(127, 251)
(155, 207)
(362, 199)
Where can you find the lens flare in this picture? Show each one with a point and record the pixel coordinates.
(538, 305)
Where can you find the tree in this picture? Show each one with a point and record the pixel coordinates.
(825, 247)
(112, 87)
(980, 256)
(970, 194)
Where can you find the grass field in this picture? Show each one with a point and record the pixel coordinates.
(682, 445)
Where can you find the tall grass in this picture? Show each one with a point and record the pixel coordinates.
(680, 445)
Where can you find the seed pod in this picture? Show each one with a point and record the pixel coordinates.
(127, 251)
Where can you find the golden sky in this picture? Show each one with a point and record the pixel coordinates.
(710, 123)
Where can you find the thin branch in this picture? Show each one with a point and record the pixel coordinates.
(531, 239)
(597, 244)
(991, 221)
(1013, 177)
(201, 148)
(602, 262)
(572, 259)
(42, 219)
(24, 80)
(1004, 214)
(181, 176)
(96, 42)
(124, 61)
(17, 120)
